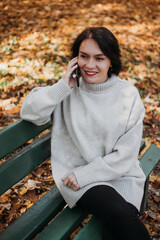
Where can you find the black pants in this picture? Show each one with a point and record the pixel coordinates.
(120, 218)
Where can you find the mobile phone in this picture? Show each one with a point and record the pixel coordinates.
(77, 76)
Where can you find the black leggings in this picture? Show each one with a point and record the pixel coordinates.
(119, 218)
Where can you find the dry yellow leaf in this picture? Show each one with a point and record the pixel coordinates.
(153, 178)
(23, 191)
(29, 205)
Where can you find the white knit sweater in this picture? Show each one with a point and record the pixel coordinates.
(96, 134)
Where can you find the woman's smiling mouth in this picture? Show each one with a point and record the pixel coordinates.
(90, 73)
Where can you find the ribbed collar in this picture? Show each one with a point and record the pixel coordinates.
(99, 87)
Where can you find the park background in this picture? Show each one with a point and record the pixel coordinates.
(35, 39)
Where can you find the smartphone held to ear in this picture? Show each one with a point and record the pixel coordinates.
(77, 76)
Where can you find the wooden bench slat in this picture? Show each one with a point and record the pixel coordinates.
(150, 159)
(63, 225)
(35, 218)
(24, 162)
(17, 134)
(92, 230)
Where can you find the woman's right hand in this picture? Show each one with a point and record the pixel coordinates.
(68, 76)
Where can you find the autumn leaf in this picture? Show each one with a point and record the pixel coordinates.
(5, 206)
(32, 184)
(153, 178)
(23, 191)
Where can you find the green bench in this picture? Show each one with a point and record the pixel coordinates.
(51, 205)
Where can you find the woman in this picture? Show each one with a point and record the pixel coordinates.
(97, 130)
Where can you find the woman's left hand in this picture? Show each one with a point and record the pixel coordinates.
(71, 182)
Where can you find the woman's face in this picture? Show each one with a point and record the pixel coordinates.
(92, 62)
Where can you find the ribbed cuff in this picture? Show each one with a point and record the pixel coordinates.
(80, 176)
(59, 91)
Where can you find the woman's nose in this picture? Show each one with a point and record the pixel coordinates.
(90, 63)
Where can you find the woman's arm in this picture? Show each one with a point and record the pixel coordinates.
(38, 106)
(41, 102)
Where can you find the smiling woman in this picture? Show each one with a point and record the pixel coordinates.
(97, 131)
(93, 64)
(106, 45)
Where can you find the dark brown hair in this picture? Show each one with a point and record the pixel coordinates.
(107, 43)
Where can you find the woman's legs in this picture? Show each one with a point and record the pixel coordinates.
(120, 218)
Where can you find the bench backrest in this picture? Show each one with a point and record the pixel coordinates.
(12, 138)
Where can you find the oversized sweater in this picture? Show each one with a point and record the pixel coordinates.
(96, 134)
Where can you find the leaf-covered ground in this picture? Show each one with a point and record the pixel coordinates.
(35, 38)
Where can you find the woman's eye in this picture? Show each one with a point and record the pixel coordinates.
(83, 56)
(99, 58)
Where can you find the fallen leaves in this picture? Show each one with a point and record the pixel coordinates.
(151, 218)
(24, 194)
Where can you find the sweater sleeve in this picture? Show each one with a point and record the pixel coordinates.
(38, 106)
(125, 152)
